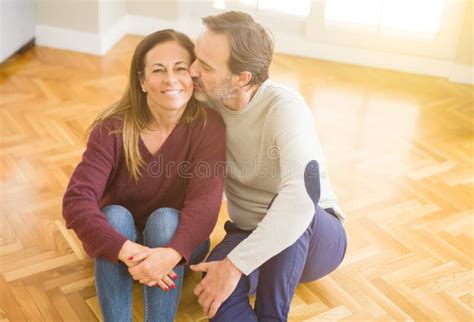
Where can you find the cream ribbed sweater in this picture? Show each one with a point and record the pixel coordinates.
(269, 144)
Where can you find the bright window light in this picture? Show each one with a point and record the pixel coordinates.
(295, 7)
(360, 12)
(219, 4)
(222, 4)
(417, 16)
(420, 16)
(248, 2)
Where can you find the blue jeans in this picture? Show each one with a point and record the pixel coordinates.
(114, 284)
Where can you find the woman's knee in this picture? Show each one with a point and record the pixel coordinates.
(122, 220)
(161, 227)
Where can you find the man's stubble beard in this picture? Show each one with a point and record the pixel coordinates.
(224, 93)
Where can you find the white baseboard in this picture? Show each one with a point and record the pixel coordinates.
(297, 45)
(461, 74)
(300, 46)
(68, 39)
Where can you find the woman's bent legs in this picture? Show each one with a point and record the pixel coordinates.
(159, 230)
(113, 281)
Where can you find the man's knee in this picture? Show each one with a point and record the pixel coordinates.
(221, 251)
(237, 306)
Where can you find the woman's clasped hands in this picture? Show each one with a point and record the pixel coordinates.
(150, 266)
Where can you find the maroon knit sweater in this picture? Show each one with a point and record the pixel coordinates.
(187, 173)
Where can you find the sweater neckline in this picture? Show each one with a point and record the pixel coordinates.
(162, 147)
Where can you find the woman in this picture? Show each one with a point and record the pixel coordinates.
(146, 195)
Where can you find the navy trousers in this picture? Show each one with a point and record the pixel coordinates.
(315, 254)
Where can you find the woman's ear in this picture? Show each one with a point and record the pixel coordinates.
(141, 79)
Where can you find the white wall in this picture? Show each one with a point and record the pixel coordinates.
(90, 26)
(78, 15)
(17, 26)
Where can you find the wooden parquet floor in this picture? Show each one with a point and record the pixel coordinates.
(400, 152)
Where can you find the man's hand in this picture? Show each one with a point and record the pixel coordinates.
(220, 281)
(156, 267)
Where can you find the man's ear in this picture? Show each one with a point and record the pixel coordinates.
(244, 78)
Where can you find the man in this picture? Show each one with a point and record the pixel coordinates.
(285, 221)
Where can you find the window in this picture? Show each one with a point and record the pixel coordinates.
(421, 18)
(428, 28)
(300, 8)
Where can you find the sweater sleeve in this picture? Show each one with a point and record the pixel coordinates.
(204, 192)
(86, 187)
(292, 209)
